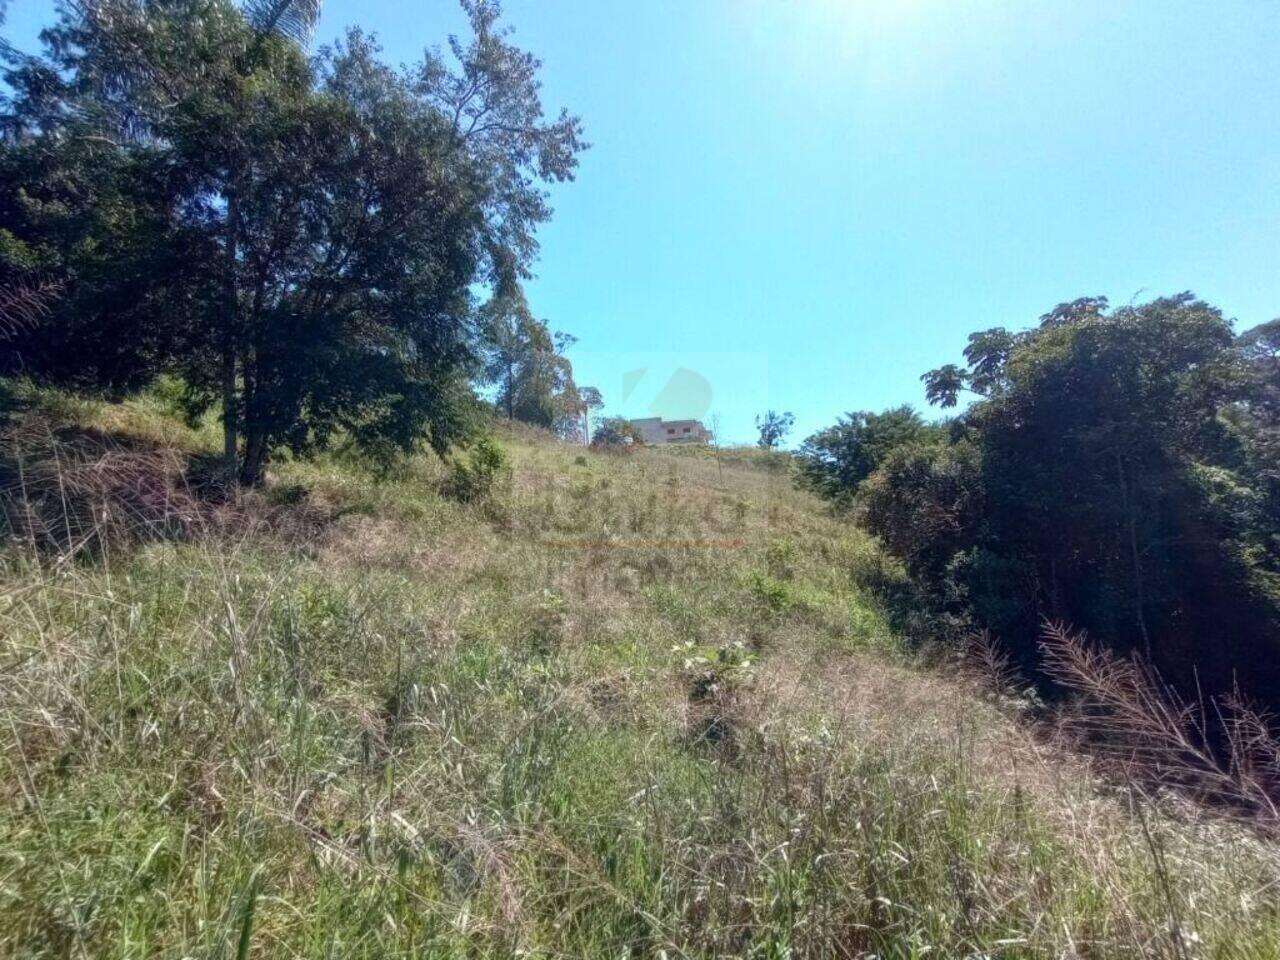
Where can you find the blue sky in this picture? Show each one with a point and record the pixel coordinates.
(805, 204)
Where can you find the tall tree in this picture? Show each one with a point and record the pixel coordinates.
(834, 462)
(330, 215)
(591, 400)
(773, 427)
(1113, 477)
(491, 96)
(525, 360)
(1260, 348)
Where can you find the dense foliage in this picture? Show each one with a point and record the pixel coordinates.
(524, 358)
(834, 462)
(614, 433)
(299, 238)
(1117, 471)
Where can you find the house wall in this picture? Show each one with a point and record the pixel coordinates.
(658, 431)
(650, 430)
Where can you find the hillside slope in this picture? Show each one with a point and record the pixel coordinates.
(637, 705)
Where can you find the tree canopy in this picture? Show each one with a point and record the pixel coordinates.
(300, 237)
(835, 461)
(1117, 471)
(773, 428)
(524, 358)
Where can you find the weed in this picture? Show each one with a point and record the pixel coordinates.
(771, 594)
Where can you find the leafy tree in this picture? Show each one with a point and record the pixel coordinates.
(1114, 476)
(924, 502)
(773, 427)
(1257, 420)
(1073, 311)
(328, 216)
(25, 295)
(492, 100)
(1262, 345)
(615, 434)
(591, 399)
(525, 359)
(834, 462)
(1260, 410)
(509, 334)
(89, 224)
(943, 385)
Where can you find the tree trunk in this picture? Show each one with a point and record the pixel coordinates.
(253, 471)
(230, 425)
(253, 465)
(1139, 590)
(253, 422)
(230, 418)
(1139, 600)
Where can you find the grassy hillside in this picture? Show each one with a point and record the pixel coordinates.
(625, 706)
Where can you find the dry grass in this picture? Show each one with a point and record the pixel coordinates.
(636, 706)
(1223, 753)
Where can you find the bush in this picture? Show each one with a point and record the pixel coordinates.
(922, 503)
(715, 679)
(614, 435)
(473, 479)
(772, 594)
(875, 570)
(834, 462)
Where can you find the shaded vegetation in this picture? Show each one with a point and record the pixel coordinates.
(1116, 472)
(300, 238)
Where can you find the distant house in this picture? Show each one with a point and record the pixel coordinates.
(656, 430)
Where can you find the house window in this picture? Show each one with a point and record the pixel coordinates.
(686, 429)
(671, 429)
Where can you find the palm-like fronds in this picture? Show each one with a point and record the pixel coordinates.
(295, 19)
(24, 303)
(1225, 752)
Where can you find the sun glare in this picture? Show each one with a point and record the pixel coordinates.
(876, 45)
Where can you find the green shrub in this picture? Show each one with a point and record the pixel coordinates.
(780, 557)
(474, 477)
(772, 594)
(614, 435)
(873, 569)
(286, 494)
